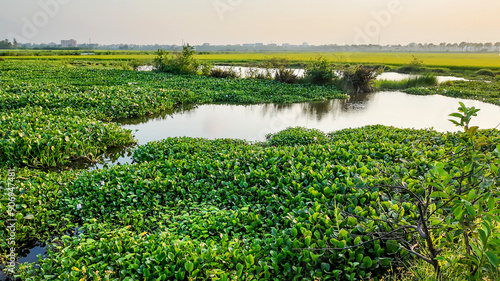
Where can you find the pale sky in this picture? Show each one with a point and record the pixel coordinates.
(251, 21)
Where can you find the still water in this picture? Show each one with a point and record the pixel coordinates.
(253, 122)
(391, 76)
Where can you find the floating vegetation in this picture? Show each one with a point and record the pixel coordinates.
(40, 138)
(474, 90)
(225, 209)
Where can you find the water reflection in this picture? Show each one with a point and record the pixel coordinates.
(252, 122)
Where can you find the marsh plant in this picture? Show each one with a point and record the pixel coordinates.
(284, 75)
(180, 63)
(428, 80)
(229, 72)
(359, 78)
(320, 71)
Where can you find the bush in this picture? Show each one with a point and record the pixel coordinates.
(2, 59)
(360, 79)
(255, 73)
(224, 73)
(206, 68)
(284, 75)
(320, 72)
(275, 62)
(485, 72)
(136, 63)
(182, 63)
(297, 136)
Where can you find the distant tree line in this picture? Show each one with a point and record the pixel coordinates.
(6, 44)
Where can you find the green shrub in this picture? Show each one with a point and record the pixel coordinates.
(297, 136)
(206, 68)
(224, 73)
(181, 63)
(2, 59)
(320, 72)
(275, 62)
(136, 63)
(485, 72)
(359, 78)
(284, 75)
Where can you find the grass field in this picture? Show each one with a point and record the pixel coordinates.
(429, 59)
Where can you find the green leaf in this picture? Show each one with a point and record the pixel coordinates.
(189, 266)
(325, 267)
(367, 262)
(439, 194)
(239, 269)
(493, 258)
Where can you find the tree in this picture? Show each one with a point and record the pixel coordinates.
(5, 44)
(455, 207)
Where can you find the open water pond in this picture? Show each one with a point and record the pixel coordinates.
(253, 122)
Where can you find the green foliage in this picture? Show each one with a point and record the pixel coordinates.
(206, 68)
(2, 59)
(45, 138)
(416, 62)
(420, 81)
(297, 136)
(224, 73)
(275, 62)
(181, 63)
(136, 63)
(482, 91)
(110, 94)
(284, 75)
(470, 185)
(359, 78)
(211, 208)
(485, 72)
(320, 71)
(455, 207)
(416, 65)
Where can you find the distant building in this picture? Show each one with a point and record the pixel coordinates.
(69, 43)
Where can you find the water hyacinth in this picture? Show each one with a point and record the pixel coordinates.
(201, 207)
(38, 137)
(107, 95)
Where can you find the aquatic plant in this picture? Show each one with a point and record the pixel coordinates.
(419, 81)
(297, 136)
(37, 137)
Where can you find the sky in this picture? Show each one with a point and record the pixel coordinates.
(221, 22)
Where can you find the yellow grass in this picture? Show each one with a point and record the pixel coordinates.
(429, 59)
